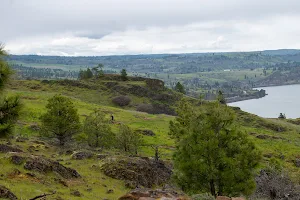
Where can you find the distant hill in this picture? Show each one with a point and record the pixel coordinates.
(281, 52)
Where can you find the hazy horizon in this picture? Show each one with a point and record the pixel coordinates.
(216, 52)
(135, 27)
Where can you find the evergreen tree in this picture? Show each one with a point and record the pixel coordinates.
(220, 98)
(179, 88)
(9, 106)
(128, 140)
(98, 130)
(124, 75)
(89, 73)
(212, 154)
(81, 74)
(281, 116)
(61, 119)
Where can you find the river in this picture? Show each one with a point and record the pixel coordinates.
(280, 99)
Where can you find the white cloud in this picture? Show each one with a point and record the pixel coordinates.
(105, 27)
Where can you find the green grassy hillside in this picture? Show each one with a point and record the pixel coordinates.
(279, 140)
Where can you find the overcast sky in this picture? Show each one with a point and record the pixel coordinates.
(107, 27)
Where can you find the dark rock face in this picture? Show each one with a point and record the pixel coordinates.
(140, 171)
(44, 165)
(149, 194)
(76, 193)
(297, 162)
(17, 160)
(146, 132)
(5, 149)
(6, 193)
(102, 156)
(82, 155)
(264, 137)
(21, 139)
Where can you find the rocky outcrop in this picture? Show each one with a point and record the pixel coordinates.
(6, 193)
(45, 165)
(5, 149)
(149, 194)
(145, 132)
(82, 155)
(140, 171)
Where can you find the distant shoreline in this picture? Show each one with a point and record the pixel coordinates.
(237, 99)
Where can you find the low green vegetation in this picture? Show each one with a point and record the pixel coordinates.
(99, 121)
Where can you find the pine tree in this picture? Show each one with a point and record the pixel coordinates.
(128, 140)
(61, 119)
(9, 106)
(98, 130)
(220, 98)
(124, 75)
(89, 73)
(179, 88)
(212, 154)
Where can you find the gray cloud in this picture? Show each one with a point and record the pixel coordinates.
(97, 27)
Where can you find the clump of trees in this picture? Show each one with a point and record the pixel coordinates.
(85, 74)
(61, 119)
(96, 72)
(9, 106)
(213, 154)
(282, 116)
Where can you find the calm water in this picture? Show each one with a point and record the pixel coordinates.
(280, 99)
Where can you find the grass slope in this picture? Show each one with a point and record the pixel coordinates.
(279, 140)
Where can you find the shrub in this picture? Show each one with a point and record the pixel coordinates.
(148, 108)
(272, 183)
(121, 100)
(156, 109)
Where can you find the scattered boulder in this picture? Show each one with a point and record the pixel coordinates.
(6, 193)
(21, 139)
(45, 165)
(17, 160)
(102, 156)
(34, 127)
(130, 184)
(146, 132)
(5, 149)
(297, 162)
(263, 137)
(141, 171)
(82, 155)
(76, 193)
(149, 194)
(110, 191)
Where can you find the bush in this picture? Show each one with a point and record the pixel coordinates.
(275, 184)
(156, 109)
(121, 100)
(148, 108)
